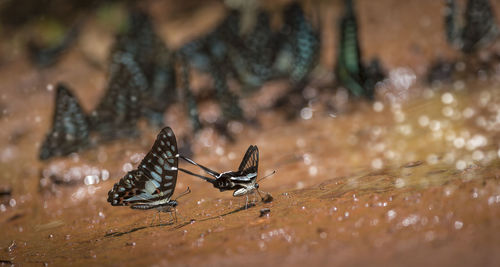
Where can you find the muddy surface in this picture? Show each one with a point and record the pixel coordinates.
(410, 179)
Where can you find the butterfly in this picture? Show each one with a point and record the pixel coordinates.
(243, 181)
(70, 126)
(154, 60)
(152, 184)
(117, 113)
(305, 43)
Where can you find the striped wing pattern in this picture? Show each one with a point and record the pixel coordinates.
(249, 166)
(152, 184)
(70, 128)
(250, 161)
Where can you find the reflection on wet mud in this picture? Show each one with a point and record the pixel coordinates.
(407, 176)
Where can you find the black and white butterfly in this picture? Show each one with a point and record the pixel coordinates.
(243, 181)
(152, 184)
(70, 126)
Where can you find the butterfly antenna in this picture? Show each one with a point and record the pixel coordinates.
(266, 176)
(208, 179)
(188, 190)
(207, 170)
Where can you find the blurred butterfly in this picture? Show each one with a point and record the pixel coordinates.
(117, 113)
(243, 181)
(70, 127)
(152, 184)
(156, 62)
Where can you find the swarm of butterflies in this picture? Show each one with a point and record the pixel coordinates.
(142, 74)
(152, 184)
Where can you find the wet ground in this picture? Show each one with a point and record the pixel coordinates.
(412, 178)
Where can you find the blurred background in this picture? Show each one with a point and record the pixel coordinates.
(381, 118)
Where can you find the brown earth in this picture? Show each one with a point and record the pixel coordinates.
(412, 179)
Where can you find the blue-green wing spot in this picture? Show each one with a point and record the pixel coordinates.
(153, 182)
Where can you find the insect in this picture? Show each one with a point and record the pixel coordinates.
(359, 78)
(117, 113)
(153, 58)
(477, 29)
(243, 181)
(70, 126)
(152, 184)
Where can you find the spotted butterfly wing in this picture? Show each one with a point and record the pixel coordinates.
(250, 163)
(152, 184)
(117, 114)
(70, 128)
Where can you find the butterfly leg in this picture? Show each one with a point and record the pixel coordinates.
(174, 215)
(154, 219)
(246, 203)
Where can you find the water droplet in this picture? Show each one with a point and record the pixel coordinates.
(399, 116)
(307, 159)
(91, 179)
(468, 113)
(104, 174)
(378, 106)
(410, 220)
(313, 171)
(447, 98)
(447, 111)
(323, 235)
(391, 214)
(377, 163)
(459, 142)
(460, 165)
(399, 183)
(478, 155)
(127, 167)
(219, 151)
(300, 142)
(300, 185)
(435, 125)
(306, 113)
(423, 121)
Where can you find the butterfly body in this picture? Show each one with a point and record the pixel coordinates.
(243, 181)
(152, 184)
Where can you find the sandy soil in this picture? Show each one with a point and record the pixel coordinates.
(411, 182)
